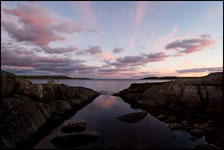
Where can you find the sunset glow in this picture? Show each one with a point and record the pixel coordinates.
(112, 39)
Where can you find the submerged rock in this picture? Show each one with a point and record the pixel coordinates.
(74, 126)
(71, 140)
(133, 117)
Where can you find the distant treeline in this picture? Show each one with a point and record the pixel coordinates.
(166, 77)
(48, 77)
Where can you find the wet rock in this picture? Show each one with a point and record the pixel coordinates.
(71, 140)
(162, 117)
(175, 126)
(133, 117)
(196, 132)
(74, 126)
(206, 146)
(8, 81)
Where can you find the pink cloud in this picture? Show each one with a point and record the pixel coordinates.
(106, 56)
(191, 45)
(39, 26)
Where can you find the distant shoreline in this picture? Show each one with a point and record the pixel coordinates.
(50, 77)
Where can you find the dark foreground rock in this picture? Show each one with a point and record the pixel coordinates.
(71, 140)
(73, 126)
(27, 107)
(191, 104)
(133, 117)
(203, 94)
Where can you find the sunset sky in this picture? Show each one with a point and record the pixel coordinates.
(112, 39)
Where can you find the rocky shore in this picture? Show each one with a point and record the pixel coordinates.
(194, 105)
(29, 109)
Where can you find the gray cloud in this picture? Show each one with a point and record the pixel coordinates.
(118, 50)
(199, 70)
(94, 50)
(54, 65)
(59, 50)
(138, 60)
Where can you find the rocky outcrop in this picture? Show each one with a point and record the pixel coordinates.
(202, 93)
(25, 107)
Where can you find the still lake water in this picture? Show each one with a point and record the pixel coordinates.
(101, 116)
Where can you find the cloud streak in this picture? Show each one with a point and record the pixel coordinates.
(200, 70)
(139, 60)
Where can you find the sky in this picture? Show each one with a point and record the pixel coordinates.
(96, 39)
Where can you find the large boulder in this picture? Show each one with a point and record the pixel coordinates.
(215, 99)
(190, 97)
(44, 93)
(24, 88)
(60, 91)
(156, 94)
(8, 82)
(19, 119)
(80, 93)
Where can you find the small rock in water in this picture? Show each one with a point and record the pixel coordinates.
(172, 118)
(162, 117)
(71, 140)
(74, 126)
(133, 117)
(175, 126)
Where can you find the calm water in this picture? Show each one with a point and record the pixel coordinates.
(99, 85)
(101, 116)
